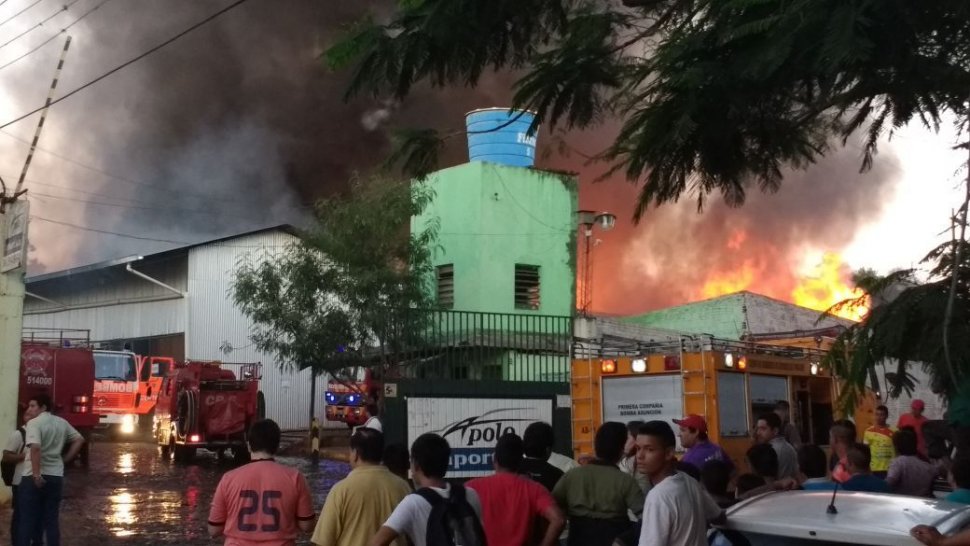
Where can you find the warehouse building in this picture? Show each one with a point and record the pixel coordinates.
(175, 303)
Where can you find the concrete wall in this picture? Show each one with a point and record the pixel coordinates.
(493, 217)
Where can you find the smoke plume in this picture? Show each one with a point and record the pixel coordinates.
(236, 126)
(239, 125)
(669, 257)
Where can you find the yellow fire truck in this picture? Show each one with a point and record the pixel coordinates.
(730, 383)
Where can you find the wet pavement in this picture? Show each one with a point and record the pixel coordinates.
(130, 495)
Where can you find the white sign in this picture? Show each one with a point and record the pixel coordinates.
(390, 390)
(644, 398)
(15, 241)
(472, 426)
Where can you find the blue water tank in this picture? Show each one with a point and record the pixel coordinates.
(500, 135)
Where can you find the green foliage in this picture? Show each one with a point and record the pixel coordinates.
(714, 95)
(346, 293)
(905, 329)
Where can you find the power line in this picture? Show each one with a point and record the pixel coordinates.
(106, 232)
(54, 36)
(130, 181)
(14, 16)
(215, 15)
(60, 10)
(208, 212)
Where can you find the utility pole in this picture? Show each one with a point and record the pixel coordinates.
(14, 214)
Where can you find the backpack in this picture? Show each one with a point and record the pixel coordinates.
(7, 469)
(453, 521)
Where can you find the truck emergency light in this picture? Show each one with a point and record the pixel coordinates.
(608, 366)
(639, 365)
(194, 438)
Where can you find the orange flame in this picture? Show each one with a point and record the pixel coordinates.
(826, 287)
(727, 283)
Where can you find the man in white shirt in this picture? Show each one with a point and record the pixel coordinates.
(373, 421)
(14, 451)
(677, 510)
(39, 493)
(429, 464)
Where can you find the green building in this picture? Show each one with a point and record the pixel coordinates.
(505, 270)
(506, 239)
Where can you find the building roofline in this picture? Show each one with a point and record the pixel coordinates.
(107, 264)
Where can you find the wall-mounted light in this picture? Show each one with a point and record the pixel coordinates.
(729, 360)
(743, 363)
(814, 368)
(639, 365)
(608, 366)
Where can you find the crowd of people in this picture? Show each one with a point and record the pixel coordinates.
(633, 491)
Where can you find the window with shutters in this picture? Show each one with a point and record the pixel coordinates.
(527, 287)
(446, 286)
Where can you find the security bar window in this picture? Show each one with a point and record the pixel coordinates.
(446, 286)
(527, 287)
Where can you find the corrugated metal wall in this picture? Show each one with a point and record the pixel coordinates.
(118, 321)
(110, 286)
(214, 322)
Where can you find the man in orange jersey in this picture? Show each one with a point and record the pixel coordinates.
(261, 502)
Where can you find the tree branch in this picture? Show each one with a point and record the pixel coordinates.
(961, 219)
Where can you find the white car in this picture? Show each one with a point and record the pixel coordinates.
(802, 518)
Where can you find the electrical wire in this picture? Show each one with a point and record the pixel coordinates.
(59, 11)
(125, 180)
(54, 36)
(125, 64)
(19, 13)
(216, 213)
(106, 232)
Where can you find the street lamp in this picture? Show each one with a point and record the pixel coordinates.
(587, 219)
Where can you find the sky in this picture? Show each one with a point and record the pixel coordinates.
(914, 218)
(239, 125)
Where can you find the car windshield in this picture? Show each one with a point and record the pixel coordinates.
(353, 374)
(114, 366)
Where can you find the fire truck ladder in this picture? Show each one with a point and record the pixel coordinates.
(583, 404)
(695, 381)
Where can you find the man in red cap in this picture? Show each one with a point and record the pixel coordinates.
(693, 436)
(915, 419)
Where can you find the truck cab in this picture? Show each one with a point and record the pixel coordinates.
(118, 379)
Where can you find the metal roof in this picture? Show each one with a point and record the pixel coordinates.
(737, 316)
(863, 518)
(80, 270)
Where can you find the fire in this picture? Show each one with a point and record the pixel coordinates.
(826, 286)
(727, 283)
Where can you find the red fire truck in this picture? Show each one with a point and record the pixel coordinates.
(202, 404)
(347, 398)
(118, 382)
(126, 389)
(61, 364)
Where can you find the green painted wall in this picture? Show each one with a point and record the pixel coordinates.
(492, 217)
